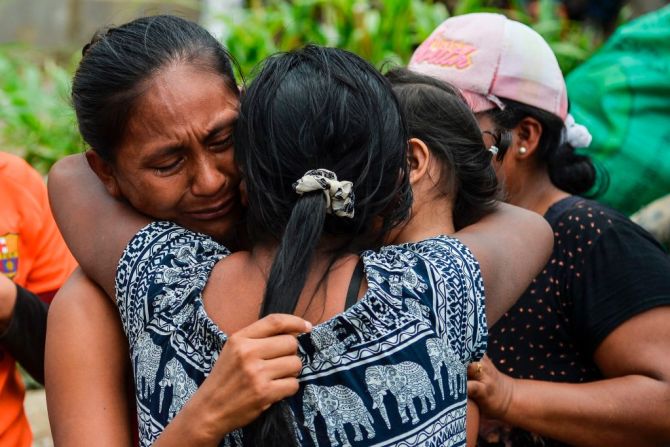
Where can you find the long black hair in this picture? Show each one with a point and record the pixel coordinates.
(438, 115)
(317, 108)
(568, 170)
(117, 62)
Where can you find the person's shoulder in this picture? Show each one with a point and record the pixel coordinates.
(443, 255)
(594, 224)
(580, 209)
(586, 217)
(8, 160)
(16, 170)
(77, 298)
(444, 249)
(168, 234)
(164, 245)
(23, 190)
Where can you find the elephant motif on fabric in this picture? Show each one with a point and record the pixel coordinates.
(147, 357)
(417, 310)
(412, 281)
(325, 341)
(338, 405)
(182, 385)
(406, 381)
(440, 353)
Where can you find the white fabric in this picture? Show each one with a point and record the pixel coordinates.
(576, 135)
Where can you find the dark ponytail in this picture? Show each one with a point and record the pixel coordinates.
(569, 171)
(295, 253)
(438, 115)
(117, 63)
(317, 108)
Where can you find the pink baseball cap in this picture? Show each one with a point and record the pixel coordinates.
(490, 57)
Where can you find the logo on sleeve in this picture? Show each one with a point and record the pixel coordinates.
(9, 254)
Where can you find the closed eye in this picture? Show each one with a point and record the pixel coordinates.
(222, 145)
(169, 169)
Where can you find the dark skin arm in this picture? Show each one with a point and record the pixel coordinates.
(87, 367)
(512, 246)
(75, 190)
(471, 424)
(630, 407)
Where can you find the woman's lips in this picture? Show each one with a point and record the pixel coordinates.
(214, 212)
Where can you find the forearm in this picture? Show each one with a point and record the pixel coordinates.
(512, 246)
(82, 207)
(623, 411)
(194, 422)
(25, 333)
(471, 423)
(87, 368)
(7, 302)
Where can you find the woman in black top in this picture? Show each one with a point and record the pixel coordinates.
(582, 357)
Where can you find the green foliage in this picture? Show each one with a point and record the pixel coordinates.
(36, 121)
(386, 30)
(379, 31)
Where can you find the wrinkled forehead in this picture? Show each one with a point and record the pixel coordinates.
(177, 104)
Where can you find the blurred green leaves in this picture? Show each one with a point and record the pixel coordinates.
(379, 31)
(36, 121)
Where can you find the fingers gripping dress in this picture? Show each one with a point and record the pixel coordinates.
(390, 370)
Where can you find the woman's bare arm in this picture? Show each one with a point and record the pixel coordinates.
(87, 367)
(95, 226)
(512, 246)
(631, 406)
(471, 424)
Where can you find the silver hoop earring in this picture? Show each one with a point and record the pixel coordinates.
(522, 150)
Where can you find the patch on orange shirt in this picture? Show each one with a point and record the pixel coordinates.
(9, 254)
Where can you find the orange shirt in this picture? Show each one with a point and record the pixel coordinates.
(34, 255)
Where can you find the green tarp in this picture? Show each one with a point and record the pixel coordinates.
(622, 94)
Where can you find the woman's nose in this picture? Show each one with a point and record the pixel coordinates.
(207, 179)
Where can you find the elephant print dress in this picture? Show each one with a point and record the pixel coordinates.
(388, 371)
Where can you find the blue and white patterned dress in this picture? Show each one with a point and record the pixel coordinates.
(390, 370)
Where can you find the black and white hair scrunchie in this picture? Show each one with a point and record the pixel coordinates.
(339, 194)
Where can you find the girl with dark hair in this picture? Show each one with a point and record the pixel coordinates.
(581, 345)
(447, 143)
(322, 147)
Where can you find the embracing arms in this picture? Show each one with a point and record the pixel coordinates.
(87, 368)
(512, 246)
(95, 226)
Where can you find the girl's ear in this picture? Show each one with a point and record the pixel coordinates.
(103, 169)
(419, 160)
